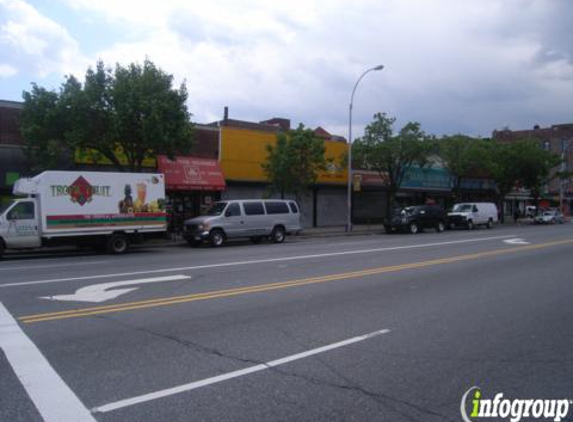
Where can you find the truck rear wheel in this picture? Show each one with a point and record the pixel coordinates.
(413, 228)
(117, 244)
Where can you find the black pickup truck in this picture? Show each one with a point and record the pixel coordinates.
(415, 219)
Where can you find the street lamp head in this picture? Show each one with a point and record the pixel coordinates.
(379, 67)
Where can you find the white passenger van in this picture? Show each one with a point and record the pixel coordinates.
(248, 218)
(471, 214)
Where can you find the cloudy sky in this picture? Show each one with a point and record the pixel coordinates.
(464, 66)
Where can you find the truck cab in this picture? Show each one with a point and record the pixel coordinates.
(19, 225)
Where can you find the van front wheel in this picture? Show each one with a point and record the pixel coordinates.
(216, 238)
(278, 235)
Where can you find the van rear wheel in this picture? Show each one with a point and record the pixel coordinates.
(490, 223)
(117, 244)
(278, 235)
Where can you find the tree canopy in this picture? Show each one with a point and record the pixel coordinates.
(519, 163)
(461, 155)
(293, 164)
(389, 154)
(124, 115)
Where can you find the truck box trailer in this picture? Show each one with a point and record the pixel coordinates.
(98, 209)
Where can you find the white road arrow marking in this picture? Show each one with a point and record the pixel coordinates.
(100, 292)
(516, 241)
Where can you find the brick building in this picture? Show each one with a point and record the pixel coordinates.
(559, 140)
(13, 162)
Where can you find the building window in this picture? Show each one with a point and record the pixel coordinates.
(547, 145)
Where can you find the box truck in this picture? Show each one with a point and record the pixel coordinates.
(103, 210)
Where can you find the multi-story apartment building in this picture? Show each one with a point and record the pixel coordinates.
(557, 139)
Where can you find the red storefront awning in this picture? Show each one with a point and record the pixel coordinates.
(188, 173)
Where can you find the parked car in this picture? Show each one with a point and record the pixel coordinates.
(472, 214)
(416, 218)
(254, 219)
(530, 211)
(549, 217)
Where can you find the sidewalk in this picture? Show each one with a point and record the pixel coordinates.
(357, 230)
(331, 231)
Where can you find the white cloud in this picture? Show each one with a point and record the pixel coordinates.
(7, 71)
(453, 65)
(34, 44)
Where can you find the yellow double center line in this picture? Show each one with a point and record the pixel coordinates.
(152, 303)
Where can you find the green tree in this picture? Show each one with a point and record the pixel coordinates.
(125, 115)
(391, 155)
(293, 164)
(519, 163)
(536, 167)
(460, 154)
(501, 162)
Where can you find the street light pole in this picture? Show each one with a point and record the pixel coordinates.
(349, 187)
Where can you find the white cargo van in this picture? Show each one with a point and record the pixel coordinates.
(471, 214)
(84, 209)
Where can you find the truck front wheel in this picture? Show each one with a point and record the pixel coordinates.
(117, 244)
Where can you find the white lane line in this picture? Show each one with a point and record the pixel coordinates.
(230, 375)
(516, 241)
(258, 261)
(7, 268)
(97, 293)
(55, 401)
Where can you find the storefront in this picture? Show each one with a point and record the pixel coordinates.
(419, 186)
(192, 185)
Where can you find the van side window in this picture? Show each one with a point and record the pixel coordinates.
(253, 208)
(475, 209)
(234, 210)
(293, 207)
(276, 207)
(22, 211)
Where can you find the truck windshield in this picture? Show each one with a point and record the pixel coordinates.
(462, 208)
(217, 209)
(4, 207)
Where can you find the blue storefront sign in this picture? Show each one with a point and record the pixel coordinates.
(427, 178)
(437, 178)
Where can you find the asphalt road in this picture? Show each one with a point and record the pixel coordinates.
(362, 328)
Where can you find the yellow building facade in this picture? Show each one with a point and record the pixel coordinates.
(244, 151)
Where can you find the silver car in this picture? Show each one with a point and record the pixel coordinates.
(254, 219)
(549, 217)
